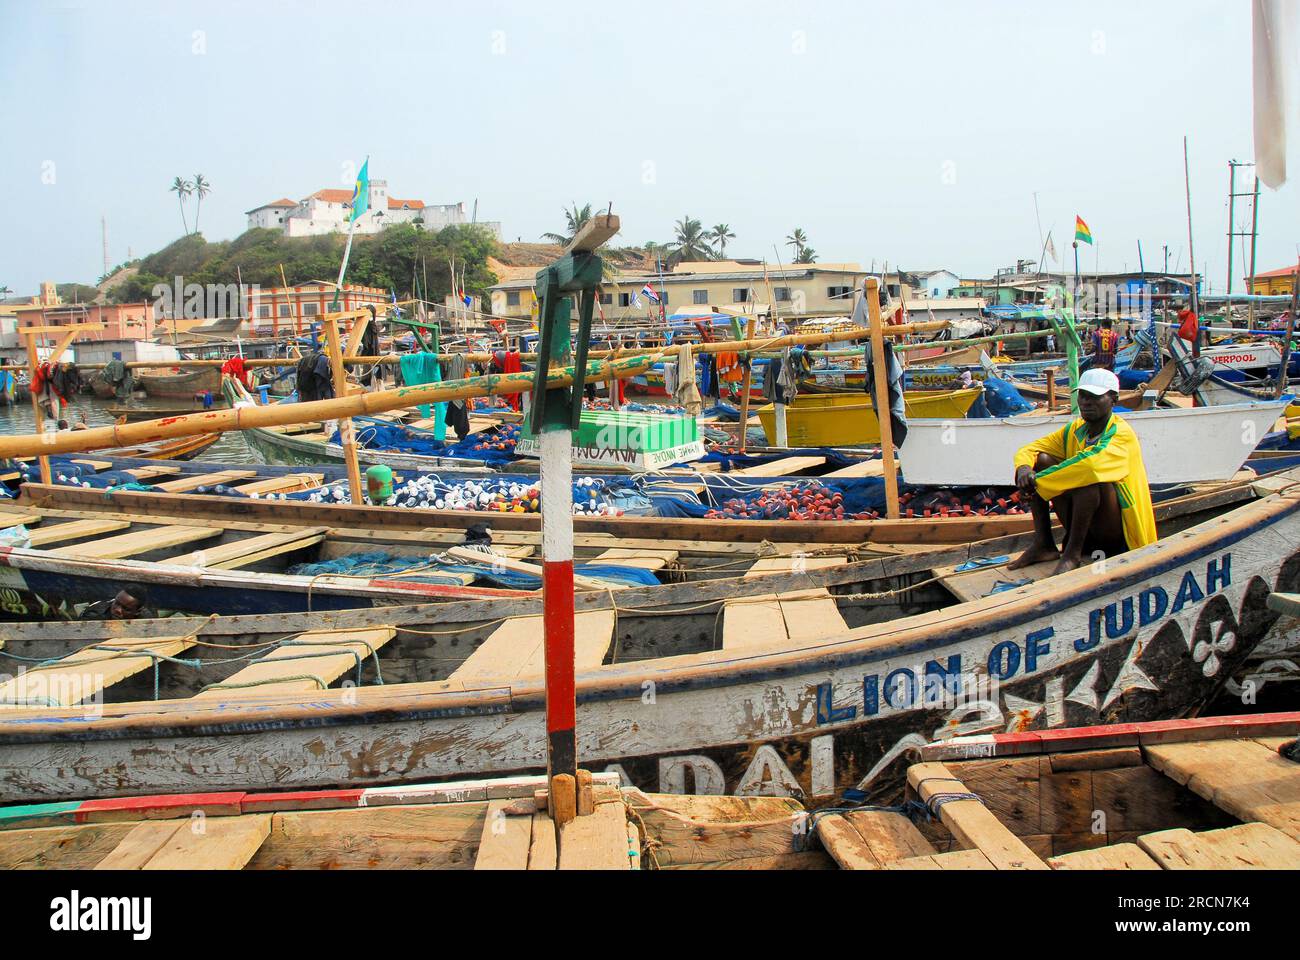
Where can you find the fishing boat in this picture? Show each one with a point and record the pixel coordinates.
(841, 420)
(134, 413)
(1209, 793)
(1178, 445)
(827, 680)
(179, 383)
(180, 448)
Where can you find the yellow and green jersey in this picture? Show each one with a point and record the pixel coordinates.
(1114, 457)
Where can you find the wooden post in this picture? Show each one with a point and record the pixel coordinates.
(1050, 373)
(746, 384)
(882, 398)
(32, 363)
(346, 433)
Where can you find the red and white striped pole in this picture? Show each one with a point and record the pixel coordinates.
(555, 445)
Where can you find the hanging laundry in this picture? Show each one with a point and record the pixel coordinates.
(687, 393)
(894, 389)
(236, 369)
(423, 368)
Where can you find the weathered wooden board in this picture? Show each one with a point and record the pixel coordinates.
(137, 542)
(506, 839)
(441, 836)
(196, 480)
(1250, 846)
(60, 848)
(250, 550)
(82, 675)
(312, 662)
(516, 649)
(1120, 856)
(74, 530)
(970, 821)
(597, 841)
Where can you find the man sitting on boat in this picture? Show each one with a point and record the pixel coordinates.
(1091, 473)
(130, 603)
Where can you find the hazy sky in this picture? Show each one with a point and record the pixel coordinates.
(915, 133)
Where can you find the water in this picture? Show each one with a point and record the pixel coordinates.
(19, 419)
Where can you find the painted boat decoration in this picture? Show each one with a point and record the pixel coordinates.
(1178, 446)
(790, 700)
(841, 420)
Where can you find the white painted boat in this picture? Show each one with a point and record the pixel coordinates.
(1178, 446)
(1244, 356)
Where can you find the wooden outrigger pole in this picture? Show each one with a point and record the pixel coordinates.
(67, 335)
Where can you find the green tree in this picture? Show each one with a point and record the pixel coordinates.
(4, 291)
(181, 187)
(201, 189)
(575, 219)
(806, 255)
(689, 242)
(798, 239)
(720, 234)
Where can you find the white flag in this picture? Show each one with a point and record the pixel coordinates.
(1051, 247)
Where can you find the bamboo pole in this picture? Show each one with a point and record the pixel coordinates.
(745, 384)
(379, 401)
(32, 363)
(347, 434)
(1290, 332)
(876, 332)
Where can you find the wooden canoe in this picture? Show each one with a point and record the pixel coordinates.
(791, 692)
(180, 383)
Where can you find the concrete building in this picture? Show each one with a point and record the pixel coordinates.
(283, 309)
(1274, 282)
(328, 211)
(731, 286)
(935, 284)
(122, 321)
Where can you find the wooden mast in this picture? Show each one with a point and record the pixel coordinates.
(347, 433)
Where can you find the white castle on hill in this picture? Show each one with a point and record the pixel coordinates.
(327, 211)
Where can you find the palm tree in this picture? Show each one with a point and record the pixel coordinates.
(798, 239)
(806, 255)
(201, 189)
(181, 187)
(720, 234)
(575, 219)
(4, 291)
(690, 242)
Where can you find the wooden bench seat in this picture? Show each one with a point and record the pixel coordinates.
(243, 553)
(295, 668)
(516, 649)
(81, 675)
(137, 542)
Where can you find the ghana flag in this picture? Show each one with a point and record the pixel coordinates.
(1081, 231)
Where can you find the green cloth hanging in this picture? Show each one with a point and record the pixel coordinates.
(417, 370)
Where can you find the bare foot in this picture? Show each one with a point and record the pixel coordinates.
(1035, 554)
(1067, 564)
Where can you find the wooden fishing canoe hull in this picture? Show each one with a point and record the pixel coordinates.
(1178, 446)
(1151, 636)
(845, 420)
(184, 384)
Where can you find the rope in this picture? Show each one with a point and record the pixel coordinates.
(269, 680)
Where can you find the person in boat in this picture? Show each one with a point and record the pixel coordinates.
(1091, 473)
(130, 603)
(1105, 341)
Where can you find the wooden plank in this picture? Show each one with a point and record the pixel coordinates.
(1242, 777)
(148, 473)
(494, 559)
(890, 836)
(811, 618)
(792, 564)
(74, 530)
(653, 560)
(63, 848)
(323, 655)
(441, 836)
(82, 675)
(242, 553)
(952, 860)
(784, 467)
(137, 542)
(597, 841)
(213, 843)
(287, 484)
(12, 518)
(194, 481)
(141, 845)
(775, 620)
(506, 839)
(843, 842)
(1119, 856)
(1250, 846)
(979, 583)
(970, 821)
(1008, 786)
(515, 649)
(863, 468)
(541, 848)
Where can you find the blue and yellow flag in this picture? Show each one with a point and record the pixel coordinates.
(361, 191)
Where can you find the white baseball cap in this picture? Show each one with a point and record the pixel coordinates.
(1099, 382)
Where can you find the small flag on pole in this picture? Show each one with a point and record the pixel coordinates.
(1051, 247)
(649, 292)
(636, 301)
(361, 191)
(1081, 231)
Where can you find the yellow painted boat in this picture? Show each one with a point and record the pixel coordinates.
(846, 420)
